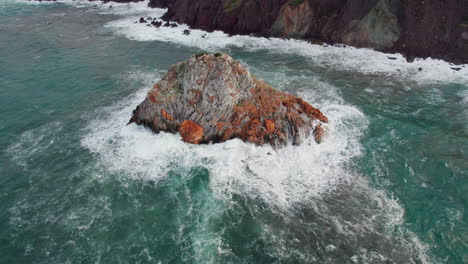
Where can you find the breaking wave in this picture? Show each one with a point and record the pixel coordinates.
(317, 177)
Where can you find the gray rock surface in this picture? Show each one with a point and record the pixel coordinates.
(212, 98)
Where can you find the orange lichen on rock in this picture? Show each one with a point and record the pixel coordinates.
(319, 132)
(311, 111)
(220, 100)
(271, 106)
(166, 115)
(152, 97)
(270, 126)
(191, 132)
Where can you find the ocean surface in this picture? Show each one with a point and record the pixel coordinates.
(389, 184)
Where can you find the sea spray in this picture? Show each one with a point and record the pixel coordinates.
(66, 199)
(313, 178)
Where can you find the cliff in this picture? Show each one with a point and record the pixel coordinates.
(430, 28)
(212, 98)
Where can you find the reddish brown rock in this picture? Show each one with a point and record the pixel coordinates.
(191, 132)
(319, 132)
(212, 98)
(165, 115)
(270, 126)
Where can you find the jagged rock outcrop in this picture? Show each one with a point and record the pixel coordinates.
(212, 98)
(231, 16)
(293, 20)
(429, 28)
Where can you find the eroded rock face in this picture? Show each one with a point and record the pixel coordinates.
(212, 98)
(293, 20)
(159, 3)
(430, 28)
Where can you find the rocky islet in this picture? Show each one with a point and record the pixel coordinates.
(212, 98)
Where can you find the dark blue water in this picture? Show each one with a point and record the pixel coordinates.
(77, 185)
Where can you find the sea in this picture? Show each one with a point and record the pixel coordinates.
(389, 183)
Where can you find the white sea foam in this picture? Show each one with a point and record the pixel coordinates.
(284, 176)
(340, 57)
(281, 178)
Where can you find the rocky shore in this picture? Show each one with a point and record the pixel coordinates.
(430, 28)
(212, 98)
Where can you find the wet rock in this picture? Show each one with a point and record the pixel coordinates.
(186, 32)
(293, 20)
(213, 98)
(191, 132)
(379, 28)
(173, 25)
(156, 24)
(430, 28)
(142, 20)
(456, 68)
(319, 133)
(160, 3)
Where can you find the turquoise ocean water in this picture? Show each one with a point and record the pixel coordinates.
(388, 185)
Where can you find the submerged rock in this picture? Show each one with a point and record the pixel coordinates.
(156, 24)
(212, 98)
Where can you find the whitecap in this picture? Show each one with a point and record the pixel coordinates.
(286, 180)
(338, 57)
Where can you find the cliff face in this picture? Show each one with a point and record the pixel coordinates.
(233, 16)
(435, 28)
(416, 28)
(212, 98)
(159, 3)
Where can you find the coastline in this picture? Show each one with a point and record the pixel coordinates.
(177, 11)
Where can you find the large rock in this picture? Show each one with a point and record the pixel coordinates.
(231, 16)
(293, 20)
(212, 98)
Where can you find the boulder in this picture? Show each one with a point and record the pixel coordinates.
(156, 24)
(213, 98)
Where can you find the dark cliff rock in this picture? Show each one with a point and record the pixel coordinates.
(430, 28)
(122, 1)
(160, 3)
(233, 17)
(212, 98)
(434, 28)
